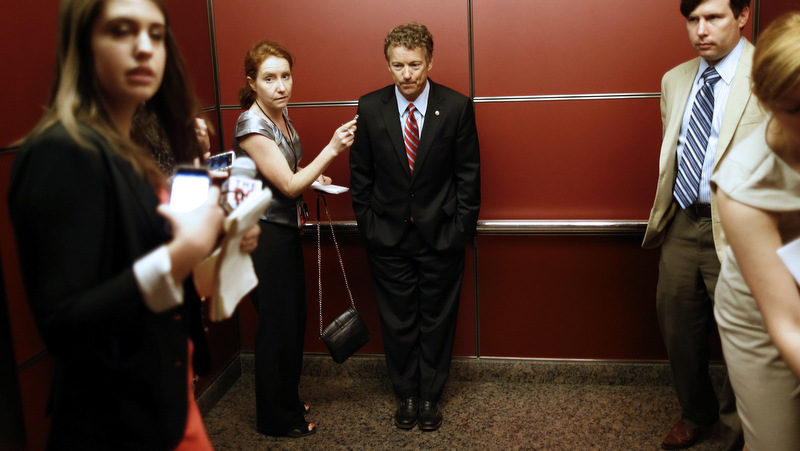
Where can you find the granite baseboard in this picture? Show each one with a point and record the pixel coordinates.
(487, 369)
(212, 393)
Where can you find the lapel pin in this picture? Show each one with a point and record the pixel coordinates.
(436, 112)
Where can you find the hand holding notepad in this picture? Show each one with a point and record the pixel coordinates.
(227, 275)
(330, 189)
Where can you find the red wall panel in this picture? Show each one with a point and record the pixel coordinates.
(578, 159)
(223, 344)
(466, 331)
(229, 118)
(583, 159)
(771, 9)
(338, 46)
(247, 323)
(576, 46)
(28, 34)
(568, 297)
(189, 21)
(335, 298)
(334, 293)
(30, 60)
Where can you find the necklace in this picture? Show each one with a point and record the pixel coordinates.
(289, 139)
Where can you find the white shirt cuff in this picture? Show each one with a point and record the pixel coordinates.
(154, 277)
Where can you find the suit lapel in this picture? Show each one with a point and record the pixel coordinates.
(680, 89)
(737, 101)
(430, 129)
(391, 120)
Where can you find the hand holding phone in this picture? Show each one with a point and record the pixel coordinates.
(220, 161)
(352, 130)
(189, 189)
(343, 136)
(195, 232)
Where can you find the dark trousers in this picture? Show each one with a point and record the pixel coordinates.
(687, 277)
(417, 290)
(280, 301)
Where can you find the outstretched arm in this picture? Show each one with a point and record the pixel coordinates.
(274, 167)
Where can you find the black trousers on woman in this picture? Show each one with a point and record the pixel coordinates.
(280, 300)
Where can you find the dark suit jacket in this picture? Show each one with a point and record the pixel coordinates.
(82, 217)
(442, 197)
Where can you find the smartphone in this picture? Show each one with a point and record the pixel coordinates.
(220, 161)
(189, 189)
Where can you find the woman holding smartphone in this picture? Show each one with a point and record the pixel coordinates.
(108, 286)
(265, 134)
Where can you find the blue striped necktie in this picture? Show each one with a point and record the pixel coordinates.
(690, 167)
(411, 137)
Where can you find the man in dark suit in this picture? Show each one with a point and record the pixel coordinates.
(683, 221)
(415, 181)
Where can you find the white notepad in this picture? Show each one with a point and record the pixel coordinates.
(330, 189)
(227, 275)
(790, 254)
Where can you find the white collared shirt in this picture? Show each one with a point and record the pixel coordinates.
(420, 105)
(726, 68)
(153, 275)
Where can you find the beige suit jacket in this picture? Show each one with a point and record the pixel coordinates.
(742, 115)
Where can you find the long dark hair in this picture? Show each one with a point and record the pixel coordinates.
(77, 101)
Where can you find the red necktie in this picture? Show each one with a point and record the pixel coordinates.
(411, 137)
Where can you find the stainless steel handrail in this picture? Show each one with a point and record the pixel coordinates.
(531, 227)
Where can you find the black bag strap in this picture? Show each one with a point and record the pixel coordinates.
(321, 197)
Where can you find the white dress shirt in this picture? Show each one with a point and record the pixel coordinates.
(726, 68)
(153, 274)
(420, 103)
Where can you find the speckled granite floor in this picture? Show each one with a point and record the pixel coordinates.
(487, 404)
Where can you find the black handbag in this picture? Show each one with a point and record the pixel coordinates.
(347, 333)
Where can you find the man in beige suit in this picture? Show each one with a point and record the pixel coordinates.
(706, 109)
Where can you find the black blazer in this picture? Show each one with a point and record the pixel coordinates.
(82, 217)
(442, 197)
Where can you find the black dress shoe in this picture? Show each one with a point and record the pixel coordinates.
(406, 415)
(430, 417)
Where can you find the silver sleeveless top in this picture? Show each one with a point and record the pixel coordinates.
(282, 210)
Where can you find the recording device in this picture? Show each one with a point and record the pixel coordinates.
(241, 183)
(189, 189)
(220, 161)
(355, 118)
